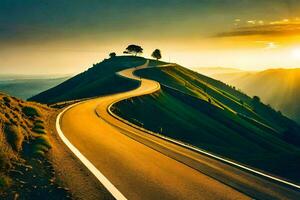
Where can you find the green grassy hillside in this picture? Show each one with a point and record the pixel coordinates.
(214, 116)
(278, 87)
(217, 93)
(98, 80)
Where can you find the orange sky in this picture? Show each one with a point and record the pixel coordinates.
(64, 38)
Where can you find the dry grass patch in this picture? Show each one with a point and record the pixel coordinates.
(31, 111)
(40, 146)
(5, 182)
(22, 137)
(14, 136)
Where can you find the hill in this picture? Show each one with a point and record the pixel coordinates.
(213, 116)
(197, 110)
(25, 169)
(26, 87)
(97, 80)
(277, 87)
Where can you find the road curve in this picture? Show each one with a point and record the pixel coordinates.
(142, 166)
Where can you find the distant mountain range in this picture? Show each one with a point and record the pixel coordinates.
(208, 71)
(24, 86)
(278, 87)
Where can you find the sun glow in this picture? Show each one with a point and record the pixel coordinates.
(296, 53)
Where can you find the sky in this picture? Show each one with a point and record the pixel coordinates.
(67, 37)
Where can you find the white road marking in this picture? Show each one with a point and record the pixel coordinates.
(105, 182)
(111, 188)
(197, 149)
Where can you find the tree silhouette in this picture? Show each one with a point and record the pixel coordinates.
(255, 103)
(256, 99)
(156, 54)
(112, 54)
(134, 49)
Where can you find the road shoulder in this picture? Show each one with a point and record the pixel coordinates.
(70, 172)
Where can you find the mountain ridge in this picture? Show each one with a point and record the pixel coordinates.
(278, 87)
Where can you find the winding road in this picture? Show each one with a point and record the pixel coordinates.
(133, 164)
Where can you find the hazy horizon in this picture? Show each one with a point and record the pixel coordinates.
(34, 76)
(30, 75)
(62, 37)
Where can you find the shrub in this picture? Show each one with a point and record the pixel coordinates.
(38, 130)
(30, 111)
(4, 159)
(44, 140)
(256, 100)
(40, 146)
(14, 136)
(112, 55)
(38, 126)
(7, 116)
(40, 150)
(12, 121)
(5, 182)
(6, 99)
(38, 121)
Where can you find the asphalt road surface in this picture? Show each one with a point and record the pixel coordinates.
(142, 166)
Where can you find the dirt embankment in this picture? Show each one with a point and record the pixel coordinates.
(34, 163)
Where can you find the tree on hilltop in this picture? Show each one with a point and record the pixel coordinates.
(112, 54)
(256, 99)
(134, 49)
(156, 54)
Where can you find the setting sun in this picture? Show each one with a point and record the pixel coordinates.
(296, 53)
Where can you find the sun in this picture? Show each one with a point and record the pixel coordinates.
(296, 53)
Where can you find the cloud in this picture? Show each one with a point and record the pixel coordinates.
(276, 28)
(271, 45)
